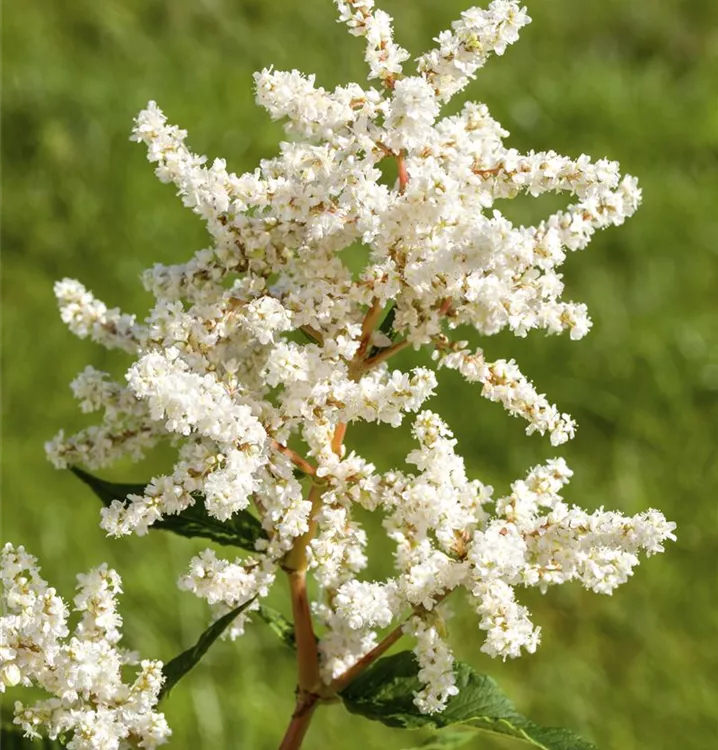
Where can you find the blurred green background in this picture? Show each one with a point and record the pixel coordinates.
(636, 82)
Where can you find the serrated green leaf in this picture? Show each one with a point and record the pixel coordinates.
(178, 667)
(385, 691)
(278, 624)
(241, 530)
(447, 740)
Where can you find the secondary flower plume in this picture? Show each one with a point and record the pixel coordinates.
(82, 670)
(265, 346)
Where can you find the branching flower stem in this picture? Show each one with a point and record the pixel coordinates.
(301, 463)
(403, 174)
(299, 724)
(309, 688)
(384, 354)
(369, 658)
(295, 565)
(309, 685)
(380, 649)
(308, 678)
(338, 439)
(306, 706)
(307, 702)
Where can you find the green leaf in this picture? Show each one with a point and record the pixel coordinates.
(387, 325)
(278, 624)
(449, 740)
(384, 692)
(387, 328)
(178, 667)
(241, 530)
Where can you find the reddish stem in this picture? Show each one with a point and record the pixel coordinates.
(385, 354)
(403, 174)
(445, 306)
(344, 679)
(295, 458)
(299, 724)
(307, 657)
(295, 565)
(339, 432)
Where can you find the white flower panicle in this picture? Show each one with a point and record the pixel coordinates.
(535, 539)
(265, 345)
(503, 382)
(82, 669)
(467, 47)
(226, 585)
(85, 316)
(191, 402)
(411, 111)
(436, 663)
(383, 55)
(126, 429)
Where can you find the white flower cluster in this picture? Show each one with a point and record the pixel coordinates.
(226, 585)
(82, 670)
(264, 347)
(383, 55)
(87, 316)
(503, 382)
(466, 48)
(436, 666)
(126, 429)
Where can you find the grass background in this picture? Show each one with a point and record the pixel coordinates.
(633, 81)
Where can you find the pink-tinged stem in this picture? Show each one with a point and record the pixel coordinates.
(299, 724)
(403, 174)
(344, 679)
(295, 458)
